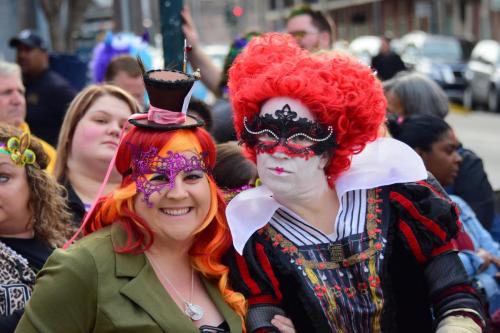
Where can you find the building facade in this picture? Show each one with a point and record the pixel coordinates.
(467, 19)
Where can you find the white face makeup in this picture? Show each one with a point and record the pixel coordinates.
(287, 176)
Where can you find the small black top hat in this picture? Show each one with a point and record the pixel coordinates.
(169, 93)
(29, 39)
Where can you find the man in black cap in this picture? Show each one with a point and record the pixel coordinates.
(47, 93)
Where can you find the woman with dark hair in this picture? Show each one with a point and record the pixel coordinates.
(233, 172)
(347, 233)
(33, 220)
(151, 260)
(411, 94)
(433, 139)
(202, 111)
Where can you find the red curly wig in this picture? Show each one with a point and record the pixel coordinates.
(212, 238)
(338, 90)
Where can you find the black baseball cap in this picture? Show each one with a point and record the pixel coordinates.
(29, 39)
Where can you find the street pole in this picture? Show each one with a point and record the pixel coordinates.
(125, 15)
(377, 18)
(435, 16)
(171, 31)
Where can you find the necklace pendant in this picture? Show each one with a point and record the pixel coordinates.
(193, 311)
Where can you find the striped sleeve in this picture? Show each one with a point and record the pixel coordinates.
(252, 274)
(427, 222)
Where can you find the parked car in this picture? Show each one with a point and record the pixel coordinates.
(483, 76)
(439, 57)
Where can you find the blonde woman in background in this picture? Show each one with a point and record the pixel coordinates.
(88, 140)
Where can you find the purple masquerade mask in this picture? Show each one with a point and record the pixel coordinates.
(163, 170)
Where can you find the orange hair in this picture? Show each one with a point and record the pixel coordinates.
(212, 239)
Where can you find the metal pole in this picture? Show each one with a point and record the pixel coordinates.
(435, 17)
(171, 31)
(377, 18)
(485, 27)
(125, 13)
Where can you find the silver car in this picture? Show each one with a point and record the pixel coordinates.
(483, 76)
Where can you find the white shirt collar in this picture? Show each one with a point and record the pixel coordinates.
(383, 162)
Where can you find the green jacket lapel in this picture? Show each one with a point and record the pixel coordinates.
(145, 290)
(229, 315)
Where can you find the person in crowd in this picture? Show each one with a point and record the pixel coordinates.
(387, 63)
(234, 50)
(312, 29)
(211, 74)
(415, 94)
(13, 105)
(215, 78)
(88, 140)
(348, 233)
(151, 260)
(123, 71)
(433, 139)
(47, 93)
(223, 129)
(33, 220)
(405, 95)
(480, 255)
(116, 44)
(233, 172)
(202, 111)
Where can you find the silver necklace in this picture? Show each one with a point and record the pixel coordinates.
(193, 311)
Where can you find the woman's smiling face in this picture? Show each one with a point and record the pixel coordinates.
(176, 211)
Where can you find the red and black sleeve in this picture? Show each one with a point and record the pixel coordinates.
(427, 222)
(252, 274)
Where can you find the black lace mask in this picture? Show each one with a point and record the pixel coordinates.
(286, 132)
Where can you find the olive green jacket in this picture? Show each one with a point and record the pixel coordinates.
(91, 288)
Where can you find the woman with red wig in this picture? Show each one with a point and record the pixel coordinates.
(151, 260)
(347, 233)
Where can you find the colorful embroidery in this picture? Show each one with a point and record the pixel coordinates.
(343, 276)
(336, 252)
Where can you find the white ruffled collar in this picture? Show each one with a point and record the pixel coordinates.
(383, 162)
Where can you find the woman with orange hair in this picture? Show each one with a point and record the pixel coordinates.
(347, 232)
(151, 260)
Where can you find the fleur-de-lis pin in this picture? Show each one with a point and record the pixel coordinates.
(20, 154)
